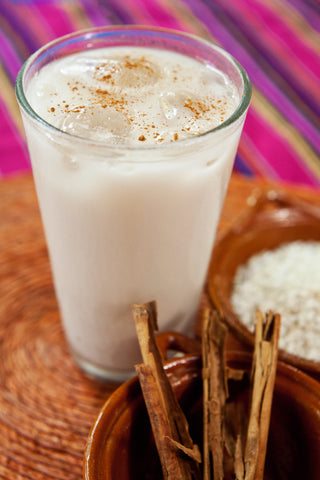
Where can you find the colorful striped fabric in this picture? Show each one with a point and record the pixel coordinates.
(276, 41)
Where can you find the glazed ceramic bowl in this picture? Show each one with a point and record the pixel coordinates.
(274, 218)
(121, 446)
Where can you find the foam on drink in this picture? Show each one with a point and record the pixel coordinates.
(134, 97)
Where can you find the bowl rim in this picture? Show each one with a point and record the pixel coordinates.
(293, 378)
(127, 391)
(284, 211)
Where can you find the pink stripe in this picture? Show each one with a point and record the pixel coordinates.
(161, 16)
(57, 19)
(255, 158)
(14, 154)
(152, 13)
(283, 159)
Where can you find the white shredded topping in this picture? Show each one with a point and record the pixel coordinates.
(287, 281)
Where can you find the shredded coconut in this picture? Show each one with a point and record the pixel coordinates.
(287, 281)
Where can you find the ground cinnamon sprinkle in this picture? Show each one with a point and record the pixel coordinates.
(105, 99)
(100, 91)
(133, 86)
(75, 109)
(197, 107)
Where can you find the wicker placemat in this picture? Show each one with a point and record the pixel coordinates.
(47, 405)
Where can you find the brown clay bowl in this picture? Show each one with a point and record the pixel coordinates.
(121, 446)
(274, 219)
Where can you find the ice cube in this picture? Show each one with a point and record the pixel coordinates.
(169, 104)
(107, 70)
(174, 105)
(127, 72)
(96, 123)
(79, 66)
(189, 112)
(139, 73)
(213, 77)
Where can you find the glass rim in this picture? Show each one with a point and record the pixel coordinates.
(92, 32)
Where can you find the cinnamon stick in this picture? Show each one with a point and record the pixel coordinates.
(223, 424)
(178, 455)
(215, 392)
(263, 380)
(235, 434)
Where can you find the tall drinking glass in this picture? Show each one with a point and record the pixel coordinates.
(129, 221)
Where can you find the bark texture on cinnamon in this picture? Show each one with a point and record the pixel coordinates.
(263, 379)
(234, 440)
(227, 438)
(179, 456)
(215, 392)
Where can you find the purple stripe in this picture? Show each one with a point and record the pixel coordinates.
(121, 11)
(9, 57)
(7, 10)
(309, 10)
(240, 166)
(95, 12)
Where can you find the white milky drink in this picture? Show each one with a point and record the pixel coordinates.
(132, 149)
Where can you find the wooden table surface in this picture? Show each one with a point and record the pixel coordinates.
(47, 405)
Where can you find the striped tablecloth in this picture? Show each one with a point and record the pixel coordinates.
(276, 41)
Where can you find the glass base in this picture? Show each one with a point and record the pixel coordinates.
(102, 374)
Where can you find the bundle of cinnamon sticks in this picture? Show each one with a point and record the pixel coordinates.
(224, 432)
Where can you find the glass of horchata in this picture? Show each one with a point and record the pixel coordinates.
(132, 134)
